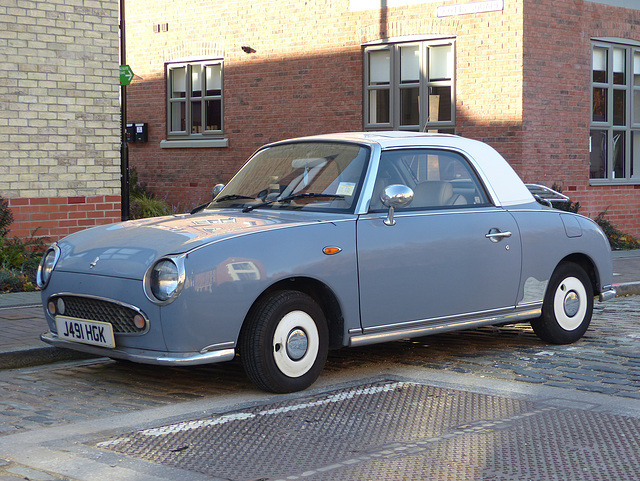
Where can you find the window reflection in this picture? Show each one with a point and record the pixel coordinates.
(600, 65)
(598, 156)
(619, 107)
(618, 155)
(409, 102)
(599, 105)
(619, 66)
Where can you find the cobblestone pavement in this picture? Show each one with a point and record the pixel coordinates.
(606, 360)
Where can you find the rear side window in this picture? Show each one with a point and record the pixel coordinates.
(439, 179)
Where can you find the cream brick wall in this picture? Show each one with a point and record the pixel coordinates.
(59, 98)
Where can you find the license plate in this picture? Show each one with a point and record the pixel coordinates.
(88, 332)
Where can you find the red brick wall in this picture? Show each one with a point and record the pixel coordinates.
(305, 78)
(557, 93)
(522, 84)
(489, 79)
(260, 107)
(55, 217)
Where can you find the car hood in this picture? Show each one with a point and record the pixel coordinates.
(128, 249)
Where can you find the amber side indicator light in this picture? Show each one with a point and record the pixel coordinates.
(139, 321)
(331, 250)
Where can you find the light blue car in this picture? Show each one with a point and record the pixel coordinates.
(324, 242)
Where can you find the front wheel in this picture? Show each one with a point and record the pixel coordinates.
(285, 342)
(567, 306)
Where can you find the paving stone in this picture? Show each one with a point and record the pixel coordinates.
(596, 388)
(606, 360)
(31, 474)
(632, 394)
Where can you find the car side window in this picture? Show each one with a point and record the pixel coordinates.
(439, 179)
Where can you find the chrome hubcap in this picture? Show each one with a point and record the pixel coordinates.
(571, 304)
(297, 344)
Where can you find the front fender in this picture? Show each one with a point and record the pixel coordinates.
(223, 280)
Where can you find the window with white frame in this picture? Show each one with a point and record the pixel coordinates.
(410, 86)
(614, 143)
(194, 100)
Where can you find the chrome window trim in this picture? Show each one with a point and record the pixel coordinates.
(480, 175)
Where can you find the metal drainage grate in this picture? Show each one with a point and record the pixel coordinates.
(397, 431)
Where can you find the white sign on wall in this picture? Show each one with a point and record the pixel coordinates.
(467, 8)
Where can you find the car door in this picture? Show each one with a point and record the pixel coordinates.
(449, 254)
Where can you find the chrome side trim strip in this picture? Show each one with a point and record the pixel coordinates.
(440, 325)
(145, 356)
(490, 313)
(217, 347)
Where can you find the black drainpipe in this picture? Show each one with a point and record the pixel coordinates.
(124, 148)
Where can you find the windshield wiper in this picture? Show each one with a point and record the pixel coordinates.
(307, 195)
(234, 197)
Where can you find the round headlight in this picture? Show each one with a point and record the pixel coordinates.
(164, 280)
(46, 266)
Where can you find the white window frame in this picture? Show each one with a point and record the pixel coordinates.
(605, 146)
(189, 133)
(395, 86)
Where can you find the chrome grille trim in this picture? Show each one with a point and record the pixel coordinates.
(93, 308)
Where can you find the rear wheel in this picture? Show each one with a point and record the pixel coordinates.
(567, 307)
(285, 342)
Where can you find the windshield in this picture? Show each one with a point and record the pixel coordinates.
(320, 176)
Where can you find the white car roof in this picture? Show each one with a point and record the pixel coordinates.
(505, 185)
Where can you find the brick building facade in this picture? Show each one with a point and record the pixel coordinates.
(523, 77)
(59, 115)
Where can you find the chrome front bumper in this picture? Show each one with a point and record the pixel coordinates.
(607, 294)
(144, 356)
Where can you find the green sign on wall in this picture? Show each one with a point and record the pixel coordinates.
(126, 75)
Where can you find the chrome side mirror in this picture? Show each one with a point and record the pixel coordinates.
(393, 196)
(216, 190)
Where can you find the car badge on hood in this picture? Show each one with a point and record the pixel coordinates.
(95, 261)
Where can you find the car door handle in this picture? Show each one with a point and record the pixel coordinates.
(496, 235)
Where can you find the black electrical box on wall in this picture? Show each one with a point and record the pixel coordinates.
(130, 133)
(141, 132)
(138, 132)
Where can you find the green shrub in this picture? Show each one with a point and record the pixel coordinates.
(618, 240)
(6, 217)
(143, 203)
(19, 259)
(566, 206)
